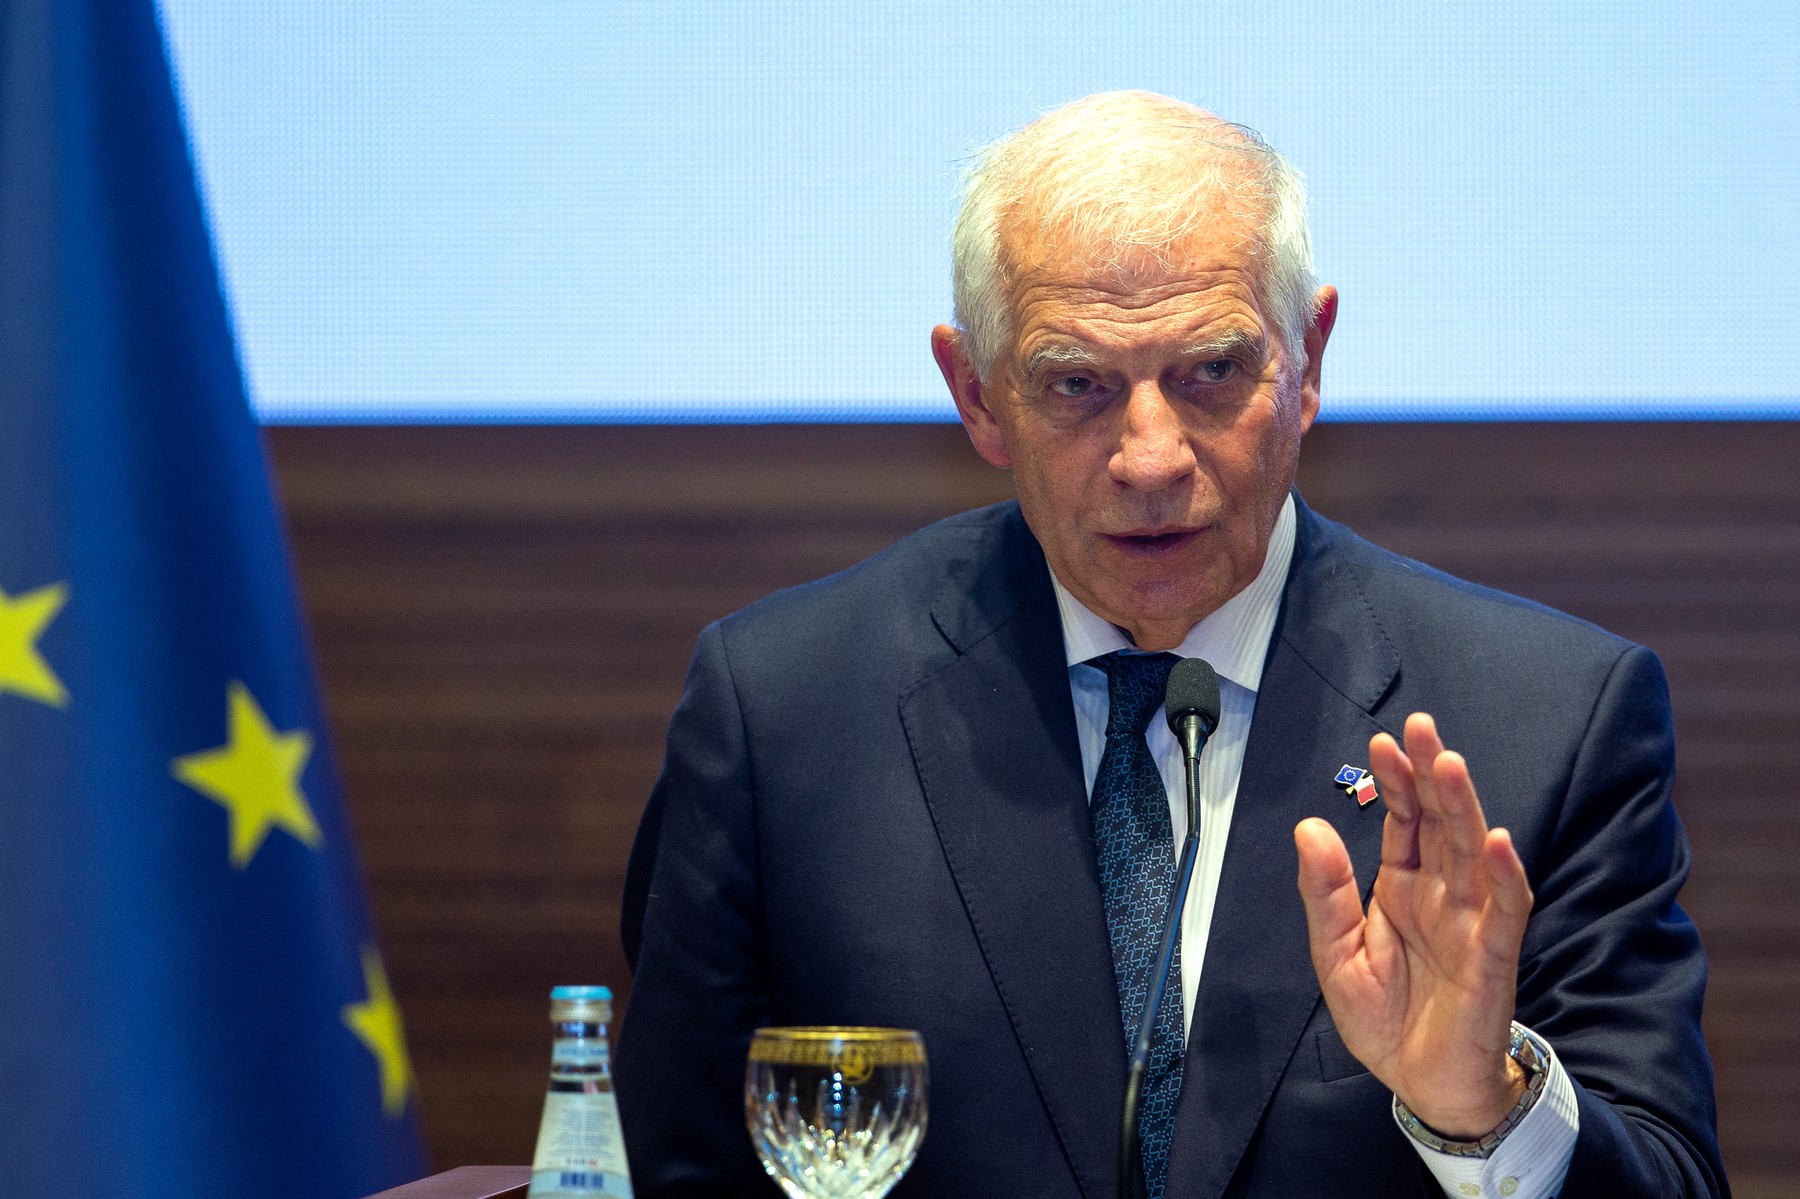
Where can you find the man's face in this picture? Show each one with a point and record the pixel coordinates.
(1150, 419)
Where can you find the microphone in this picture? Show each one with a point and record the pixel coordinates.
(1191, 703)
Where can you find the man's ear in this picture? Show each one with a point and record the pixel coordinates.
(1325, 303)
(965, 389)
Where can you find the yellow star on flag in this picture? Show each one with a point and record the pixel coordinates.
(376, 1022)
(23, 619)
(255, 776)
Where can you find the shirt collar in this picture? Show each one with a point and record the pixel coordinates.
(1235, 638)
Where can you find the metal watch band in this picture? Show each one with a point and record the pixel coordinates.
(1533, 1057)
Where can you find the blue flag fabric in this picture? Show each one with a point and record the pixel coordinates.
(191, 1002)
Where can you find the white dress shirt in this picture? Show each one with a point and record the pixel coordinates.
(1534, 1158)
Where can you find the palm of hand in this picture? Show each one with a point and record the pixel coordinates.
(1422, 987)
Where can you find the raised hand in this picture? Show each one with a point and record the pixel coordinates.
(1422, 986)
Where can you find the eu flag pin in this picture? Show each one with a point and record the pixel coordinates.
(1358, 784)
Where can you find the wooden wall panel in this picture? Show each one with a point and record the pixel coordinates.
(503, 618)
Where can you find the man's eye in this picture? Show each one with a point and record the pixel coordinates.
(1216, 371)
(1074, 386)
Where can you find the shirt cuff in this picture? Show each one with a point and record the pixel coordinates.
(1530, 1163)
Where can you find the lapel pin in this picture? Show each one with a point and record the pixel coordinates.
(1358, 784)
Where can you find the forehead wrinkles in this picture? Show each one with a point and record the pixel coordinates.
(1211, 269)
(1033, 255)
(1199, 309)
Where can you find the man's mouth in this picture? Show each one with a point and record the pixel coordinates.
(1151, 543)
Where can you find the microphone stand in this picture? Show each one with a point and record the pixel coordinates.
(1193, 733)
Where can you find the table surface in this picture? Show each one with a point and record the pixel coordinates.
(466, 1182)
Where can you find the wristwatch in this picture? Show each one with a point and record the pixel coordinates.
(1533, 1057)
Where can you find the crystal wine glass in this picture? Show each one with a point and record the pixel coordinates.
(835, 1113)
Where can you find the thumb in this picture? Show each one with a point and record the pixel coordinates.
(1334, 914)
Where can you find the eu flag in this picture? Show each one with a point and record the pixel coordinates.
(191, 1001)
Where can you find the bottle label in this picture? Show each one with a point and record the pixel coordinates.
(578, 1053)
(580, 1147)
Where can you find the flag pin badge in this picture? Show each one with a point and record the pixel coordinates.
(1358, 784)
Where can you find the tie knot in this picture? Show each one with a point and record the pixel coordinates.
(1136, 685)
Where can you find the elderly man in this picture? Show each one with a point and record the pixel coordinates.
(932, 792)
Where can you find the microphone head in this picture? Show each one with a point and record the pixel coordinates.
(1193, 691)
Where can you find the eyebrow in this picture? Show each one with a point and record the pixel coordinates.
(1226, 344)
(1057, 354)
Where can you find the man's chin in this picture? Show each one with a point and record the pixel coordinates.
(1164, 578)
(1164, 605)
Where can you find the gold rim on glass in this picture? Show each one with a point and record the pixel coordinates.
(852, 1052)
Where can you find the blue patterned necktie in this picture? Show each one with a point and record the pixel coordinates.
(1135, 843)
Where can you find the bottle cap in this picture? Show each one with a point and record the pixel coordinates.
(587, 994)
(586, 1004)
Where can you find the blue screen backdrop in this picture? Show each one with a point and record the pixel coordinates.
(705, 210)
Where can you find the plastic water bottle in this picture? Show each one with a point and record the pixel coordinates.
(580, 1147)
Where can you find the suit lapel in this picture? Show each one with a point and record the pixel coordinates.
(994, 742)
(1329, 663)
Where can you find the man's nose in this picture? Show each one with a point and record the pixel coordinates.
(1154, 452)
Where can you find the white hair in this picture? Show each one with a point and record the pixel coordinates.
(1121, 175)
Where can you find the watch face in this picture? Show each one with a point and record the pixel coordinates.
(1531, 1054)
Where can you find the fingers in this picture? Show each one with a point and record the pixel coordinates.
(1435, 823)
(1423, 747)
(1334, 915)
(1452, 829)
(1461, 829)
(1509, 896)
(1400, 831)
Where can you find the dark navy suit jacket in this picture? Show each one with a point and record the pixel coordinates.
(872, 812)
